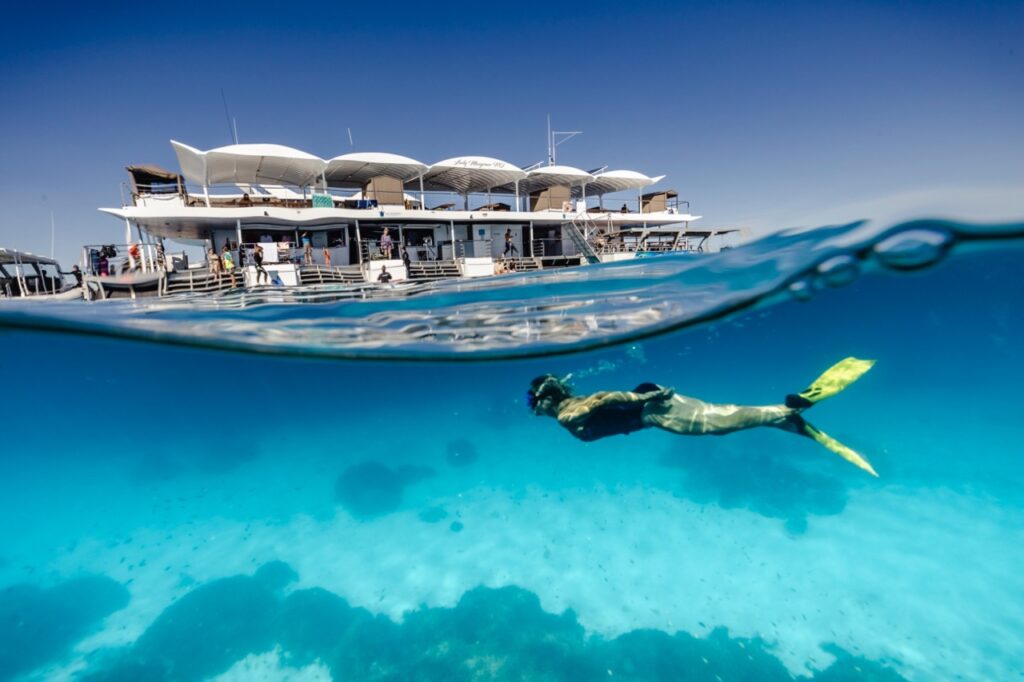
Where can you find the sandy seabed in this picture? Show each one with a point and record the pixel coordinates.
(891, 578)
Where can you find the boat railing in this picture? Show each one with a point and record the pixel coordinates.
(283, 251)
(474, 248)
(102, 260)
(371, 250)
(553, 247)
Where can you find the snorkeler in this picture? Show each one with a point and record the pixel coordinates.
(610, 413)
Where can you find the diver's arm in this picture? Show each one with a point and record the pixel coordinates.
(576, 409)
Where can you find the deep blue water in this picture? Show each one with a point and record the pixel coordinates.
(182, 512)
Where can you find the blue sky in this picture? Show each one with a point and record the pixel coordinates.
(761, 114)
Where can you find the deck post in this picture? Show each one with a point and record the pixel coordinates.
(127, 231)
(517, 196)
(359, 245)
(451, 227)
(532, 254)
(206, 182)
(423, 195)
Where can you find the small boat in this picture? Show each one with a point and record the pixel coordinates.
(26, 275)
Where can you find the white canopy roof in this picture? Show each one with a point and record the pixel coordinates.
(249, 163)
(354, 170)
(619, 180)
(550, 176)
(469, 174)
(274, 164)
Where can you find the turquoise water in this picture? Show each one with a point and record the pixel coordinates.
(353, 488)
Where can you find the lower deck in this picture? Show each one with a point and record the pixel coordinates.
(365, 252)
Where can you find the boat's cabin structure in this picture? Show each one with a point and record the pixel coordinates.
(25, 274)
(270, 214)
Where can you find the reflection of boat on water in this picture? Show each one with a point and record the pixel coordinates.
(283, 216)
(24, 275)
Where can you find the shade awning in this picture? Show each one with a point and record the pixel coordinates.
(148, 179)
(469, 174)
(553, 176)
(152, 175)
(618, 181)
(273, 164)
(356, 169)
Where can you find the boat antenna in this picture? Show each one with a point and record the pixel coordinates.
(553, 140)
(53, 233)
(232, 124)
(350, 142)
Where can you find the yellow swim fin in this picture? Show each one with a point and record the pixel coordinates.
(835, 379)
(835, 446)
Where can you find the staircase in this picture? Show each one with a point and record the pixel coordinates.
(327, 274)
(576, 230)
(432, 269)
(526, 264)
(199, 281)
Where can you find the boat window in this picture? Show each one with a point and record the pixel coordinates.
(49, 270)
(28, 270)
(336, 238)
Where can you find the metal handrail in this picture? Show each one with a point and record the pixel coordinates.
(151, 258)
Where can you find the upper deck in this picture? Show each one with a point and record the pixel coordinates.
(279, 186)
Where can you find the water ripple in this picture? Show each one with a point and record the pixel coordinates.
(530, 314)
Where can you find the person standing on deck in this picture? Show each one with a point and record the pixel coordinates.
(133, 257)
(509, 246)
(214, 260)
(307, 249)
(76, 272)
(386, 245)
(228, 261)
(257, 258)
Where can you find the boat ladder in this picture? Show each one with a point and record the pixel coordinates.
(578, 230)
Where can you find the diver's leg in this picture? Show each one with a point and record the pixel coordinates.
(801, 426)
(689, 416)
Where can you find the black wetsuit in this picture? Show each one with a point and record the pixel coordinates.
(615, 420)
(257, 257)
(611, 420)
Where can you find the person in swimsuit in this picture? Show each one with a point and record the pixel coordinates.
(610, 413)
(307, 249)
(386, 245)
